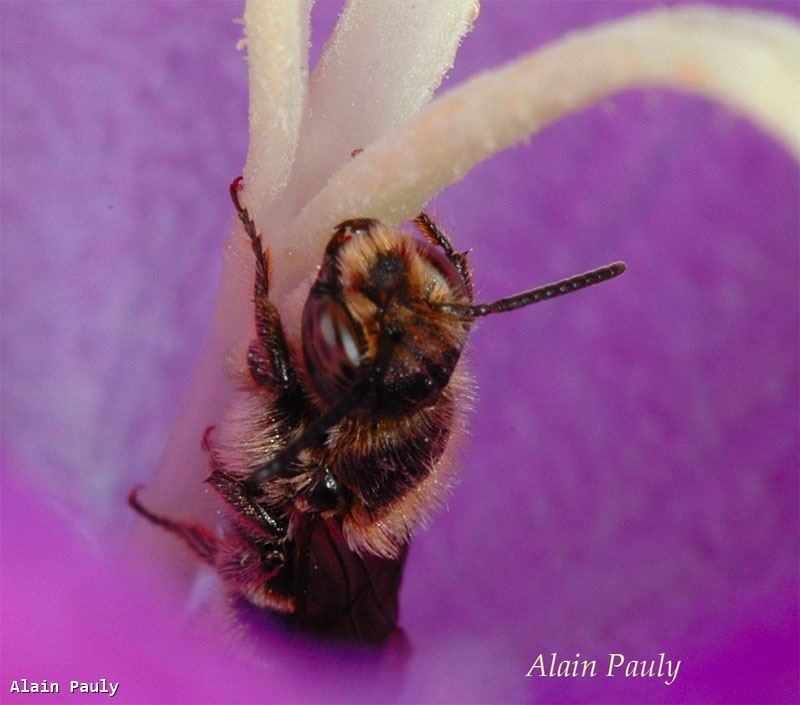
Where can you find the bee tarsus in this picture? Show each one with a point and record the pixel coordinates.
(268, 356)
(199, 539)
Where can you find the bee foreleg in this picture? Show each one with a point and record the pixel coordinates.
(436, 237)
(238, 495)
(268, 356)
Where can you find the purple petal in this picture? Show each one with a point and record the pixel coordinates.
(630, 483)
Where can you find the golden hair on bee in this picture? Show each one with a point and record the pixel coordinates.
(337, 447)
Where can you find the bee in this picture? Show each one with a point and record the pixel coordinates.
(332, 454)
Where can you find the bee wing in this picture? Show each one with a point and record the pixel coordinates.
(337, 591)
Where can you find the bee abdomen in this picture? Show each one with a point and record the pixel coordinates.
(378, 474)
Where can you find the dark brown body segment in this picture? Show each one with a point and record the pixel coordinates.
(337, 592)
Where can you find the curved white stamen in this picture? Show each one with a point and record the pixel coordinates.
(381, 65)
(748, 60)
(276, 36)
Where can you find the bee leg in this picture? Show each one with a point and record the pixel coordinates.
(238, 495)
(204, 543)
(268, 356)
(436, 237)
(245, 562)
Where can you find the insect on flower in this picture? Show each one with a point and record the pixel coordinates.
(332, 456)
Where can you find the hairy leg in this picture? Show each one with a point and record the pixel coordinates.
(199, 539)
(436, 237)
(241, 497)
(243, 561)
(268, 355)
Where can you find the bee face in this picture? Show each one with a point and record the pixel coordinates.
(369, 318)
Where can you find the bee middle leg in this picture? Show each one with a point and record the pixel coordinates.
(244, 560)
(436, 237)
(268, 356)
(240, 497)
(199, 539)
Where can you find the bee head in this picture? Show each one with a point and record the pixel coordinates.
(370, 320)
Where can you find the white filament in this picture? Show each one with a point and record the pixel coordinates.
(748, 60)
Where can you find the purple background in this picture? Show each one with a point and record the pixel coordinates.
(630, 482)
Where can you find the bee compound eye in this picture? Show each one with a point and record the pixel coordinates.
(331, 345)
(441, 269)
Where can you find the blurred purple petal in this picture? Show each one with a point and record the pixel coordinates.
(630, 483)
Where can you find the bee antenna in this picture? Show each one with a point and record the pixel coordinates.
(534, 296)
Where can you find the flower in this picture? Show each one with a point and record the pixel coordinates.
(630, 482)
